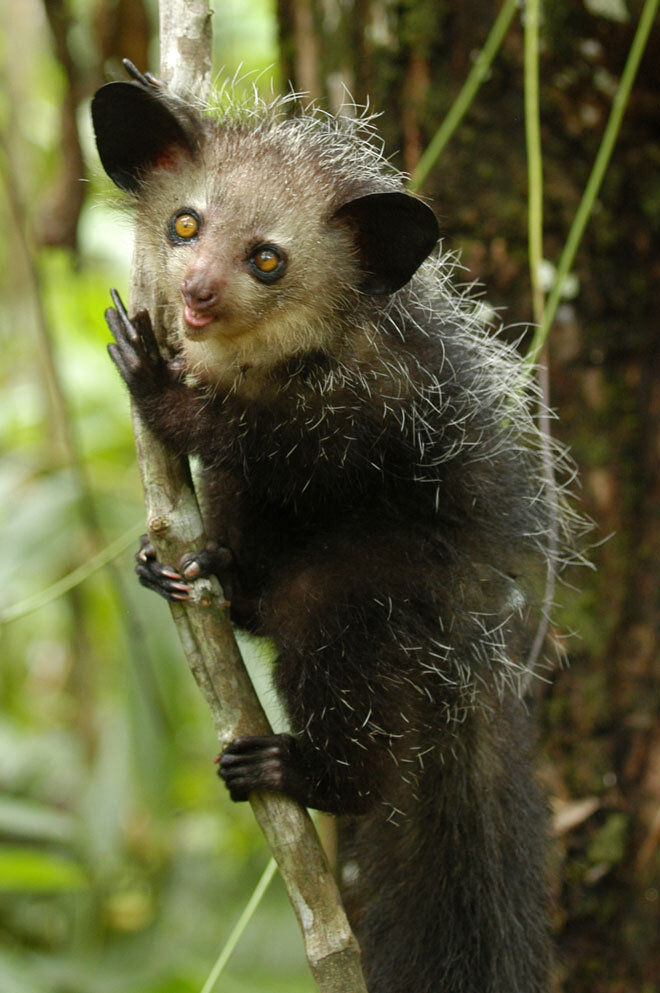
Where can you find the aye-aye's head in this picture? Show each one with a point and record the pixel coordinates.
(264, 235)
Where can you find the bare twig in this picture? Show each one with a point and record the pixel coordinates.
(175, 525)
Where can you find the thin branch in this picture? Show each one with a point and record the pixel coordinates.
(240, 926)
(61, 210)
(58, 417)
(534, 156)
(175, 526)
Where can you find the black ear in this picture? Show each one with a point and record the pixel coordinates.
(135, 131)
(394, 233)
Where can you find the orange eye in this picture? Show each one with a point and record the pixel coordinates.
(186, 226)
(183, 227)
(266, 260)
(268, 263)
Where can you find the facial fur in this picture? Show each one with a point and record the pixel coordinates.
(247, 195)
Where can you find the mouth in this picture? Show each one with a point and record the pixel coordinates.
(197, 318)
(200, 324)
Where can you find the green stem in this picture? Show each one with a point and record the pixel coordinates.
(596, 178)
(534, 155)
(465, 97)
(240, 926)
(535, 248)
(74, 578)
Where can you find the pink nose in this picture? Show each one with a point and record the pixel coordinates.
(200, 292)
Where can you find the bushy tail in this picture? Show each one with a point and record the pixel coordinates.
(453, 898)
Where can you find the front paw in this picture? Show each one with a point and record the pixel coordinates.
(262, 762)
(136, 352)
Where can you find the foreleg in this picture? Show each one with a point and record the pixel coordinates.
(182, 417)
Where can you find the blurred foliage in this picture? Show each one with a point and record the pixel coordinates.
(123, 867)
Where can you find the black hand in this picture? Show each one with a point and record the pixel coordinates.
(136, 353)
(263, 762)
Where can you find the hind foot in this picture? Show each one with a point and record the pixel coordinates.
(174, 584)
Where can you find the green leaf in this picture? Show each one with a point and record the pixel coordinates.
(24, 870)
(27, 820)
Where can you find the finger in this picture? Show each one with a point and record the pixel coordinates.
(165, 593)
(119, 305)
(252, 743)
(125, 370)
(122, 325)
(128, 343)
(145, 332)
(153, 568)
(165, 587)
(146, 550)
(146, 559)
(146, 556)
(191, 569)
(232, 764)
(154, 80)
(137, 333)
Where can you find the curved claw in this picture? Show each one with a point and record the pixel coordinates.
(162, 579)
(147, 79)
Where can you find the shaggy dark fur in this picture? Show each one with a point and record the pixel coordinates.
(377, 507)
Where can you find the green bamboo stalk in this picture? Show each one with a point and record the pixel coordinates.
(595, 180)
(466, 95)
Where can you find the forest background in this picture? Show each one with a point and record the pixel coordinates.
(122, 864)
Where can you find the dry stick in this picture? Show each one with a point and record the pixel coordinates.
(175, 526)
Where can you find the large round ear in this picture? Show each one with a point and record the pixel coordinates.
(394, 233)
(136, 131)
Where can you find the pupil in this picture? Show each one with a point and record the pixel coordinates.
(183, 227)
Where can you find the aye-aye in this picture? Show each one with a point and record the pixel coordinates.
(376, 503)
